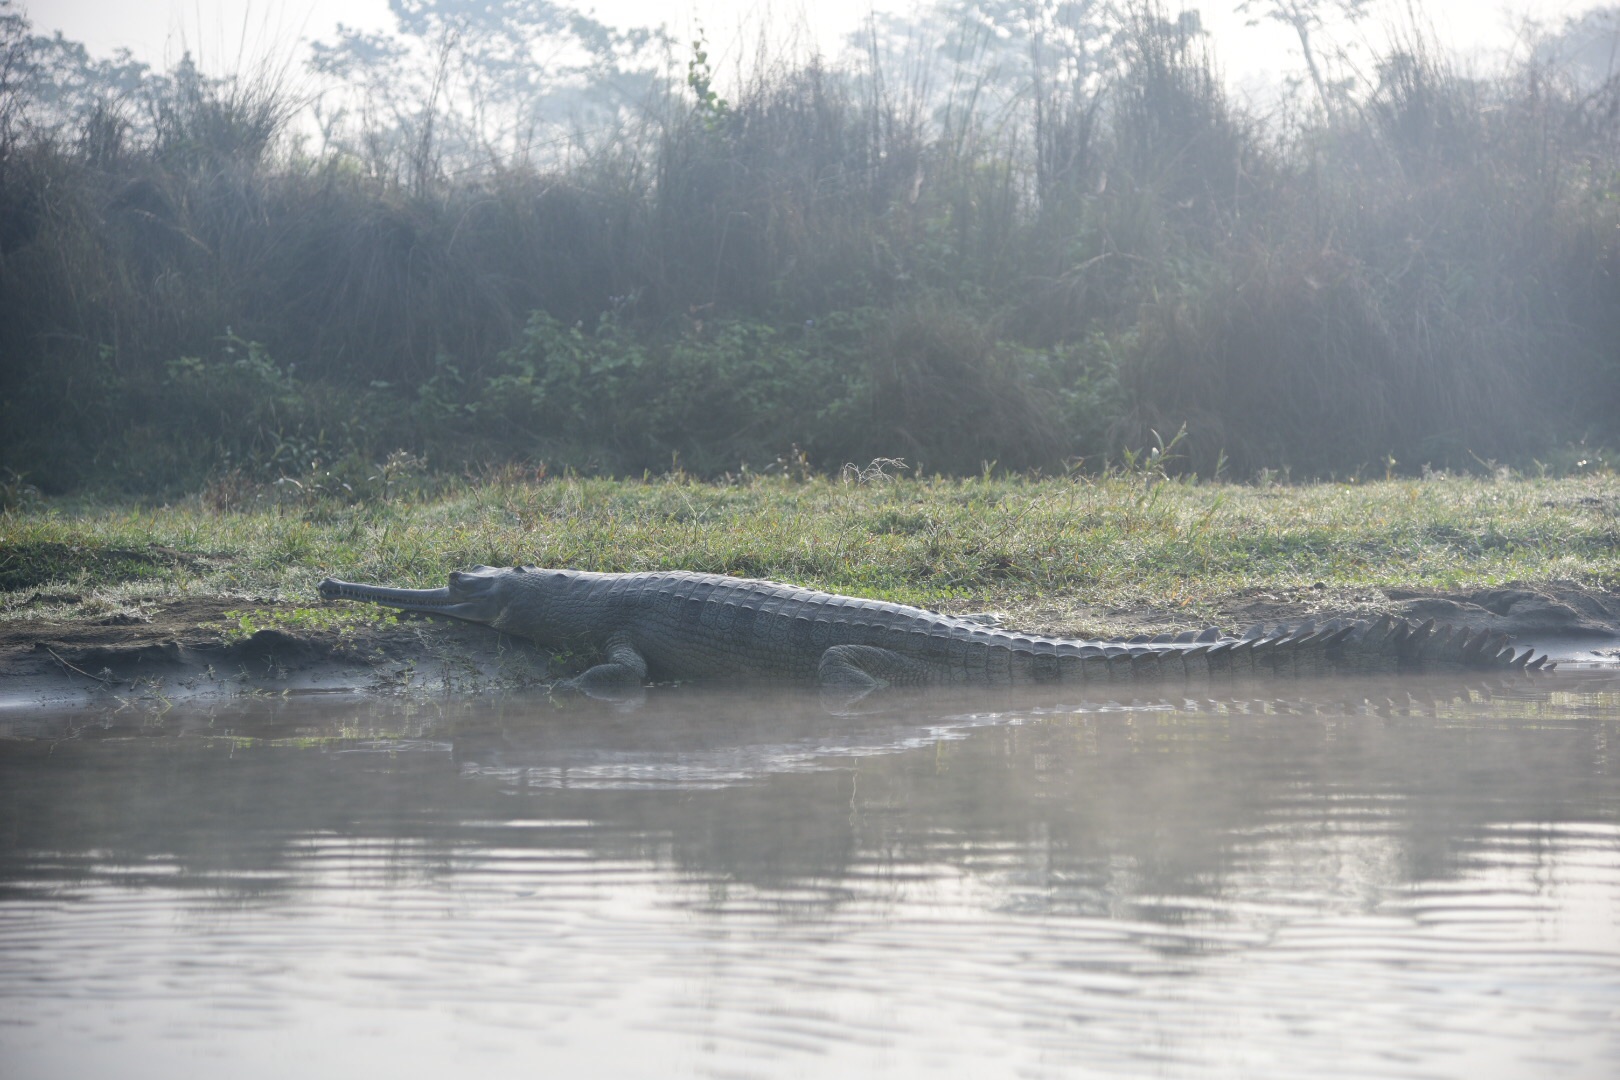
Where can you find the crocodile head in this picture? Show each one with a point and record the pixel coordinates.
(478, 595)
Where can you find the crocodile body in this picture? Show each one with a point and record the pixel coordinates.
(667, 626)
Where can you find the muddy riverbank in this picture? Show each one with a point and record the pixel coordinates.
(198, 646)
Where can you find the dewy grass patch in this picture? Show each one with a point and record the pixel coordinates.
(1126, 543)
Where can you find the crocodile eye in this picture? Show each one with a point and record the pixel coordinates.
(517, 569)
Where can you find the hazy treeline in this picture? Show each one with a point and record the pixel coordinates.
(1036, 235)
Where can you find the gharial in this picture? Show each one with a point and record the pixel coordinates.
(665, 626)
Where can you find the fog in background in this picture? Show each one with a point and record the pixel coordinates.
(1358, 238)
(222, 32)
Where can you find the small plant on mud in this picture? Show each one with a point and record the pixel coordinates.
(793, 465)
(303, 620)
(1152, 463)
(401, 470)
(877, 472)
(15, 492)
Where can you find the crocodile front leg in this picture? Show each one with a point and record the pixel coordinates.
(621, 677)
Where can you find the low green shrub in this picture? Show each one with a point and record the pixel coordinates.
(818, 271)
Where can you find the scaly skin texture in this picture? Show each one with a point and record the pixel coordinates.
(681, 626)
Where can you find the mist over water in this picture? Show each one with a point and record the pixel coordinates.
(1395, 879)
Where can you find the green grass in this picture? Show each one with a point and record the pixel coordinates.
(1054, 553)
(343, 621)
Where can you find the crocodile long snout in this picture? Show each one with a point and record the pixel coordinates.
(405, 599)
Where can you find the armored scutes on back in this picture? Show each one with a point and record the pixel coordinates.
(680, 626)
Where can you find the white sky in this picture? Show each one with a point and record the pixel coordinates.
(223, 33)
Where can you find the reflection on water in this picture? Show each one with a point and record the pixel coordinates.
(1397, 879)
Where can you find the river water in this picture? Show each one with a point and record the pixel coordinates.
(1396, 879)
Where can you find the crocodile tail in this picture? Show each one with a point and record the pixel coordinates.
(1378, 646)
(1387, 642)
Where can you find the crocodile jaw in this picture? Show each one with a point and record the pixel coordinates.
(471, 595)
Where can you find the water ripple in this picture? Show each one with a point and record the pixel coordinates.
(1170, 888)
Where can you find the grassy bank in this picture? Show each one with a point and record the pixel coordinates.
(1082, 555)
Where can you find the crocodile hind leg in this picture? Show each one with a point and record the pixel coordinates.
(848, 673)
(621, 677)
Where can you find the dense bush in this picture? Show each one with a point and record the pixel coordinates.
(826, 267)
